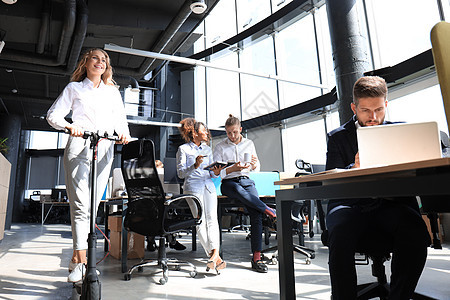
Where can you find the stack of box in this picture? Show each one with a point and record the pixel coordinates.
(135, 242)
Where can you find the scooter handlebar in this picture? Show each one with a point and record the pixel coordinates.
(88, 134)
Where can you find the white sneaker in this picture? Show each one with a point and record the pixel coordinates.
(77, 273)
(72, 265)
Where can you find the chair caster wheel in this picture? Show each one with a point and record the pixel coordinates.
(308, 261)
(177, 268)
(311, 234)
(274, 261)
(313, 256)
(193, 274)
(163, 281)
(127, 277)
(140, 269)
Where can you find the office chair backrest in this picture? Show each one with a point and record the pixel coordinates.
(440, 41)
(146, 196)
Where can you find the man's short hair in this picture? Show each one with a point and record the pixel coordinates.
(369, 87)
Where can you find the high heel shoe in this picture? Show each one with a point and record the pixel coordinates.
(220, 266)
(211, 264)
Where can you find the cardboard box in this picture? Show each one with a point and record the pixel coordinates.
(115, 223)
(135, 242)
(427, 222)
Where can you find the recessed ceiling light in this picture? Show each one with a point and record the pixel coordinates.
(8, 71)
(9, 1)
(198, 6)
(14, 91)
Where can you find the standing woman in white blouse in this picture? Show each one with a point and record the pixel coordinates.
(96, 105)
(192, 157)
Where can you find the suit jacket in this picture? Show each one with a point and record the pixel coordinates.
(341, 150)
(342, 146)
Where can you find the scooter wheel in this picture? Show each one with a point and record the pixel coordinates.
(127, 277)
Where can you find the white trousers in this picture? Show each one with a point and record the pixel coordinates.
(208, 230)
(77, 166)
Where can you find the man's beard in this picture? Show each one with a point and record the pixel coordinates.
(371, 121)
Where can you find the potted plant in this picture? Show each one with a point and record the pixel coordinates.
(3, 146)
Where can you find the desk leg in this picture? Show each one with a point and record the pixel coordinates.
(285, 250)
(43, 211)
(124, 244)
(106, 245)
(219, 217)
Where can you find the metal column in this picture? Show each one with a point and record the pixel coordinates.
(349, 41)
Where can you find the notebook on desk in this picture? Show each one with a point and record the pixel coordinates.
(398, 143)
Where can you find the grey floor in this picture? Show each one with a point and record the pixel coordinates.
(34, 259)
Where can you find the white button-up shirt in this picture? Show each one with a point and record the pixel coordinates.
(227, 151)
(195, 179)
(93, 109)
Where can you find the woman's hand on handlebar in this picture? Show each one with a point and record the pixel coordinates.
(123, 139)
(75, 130)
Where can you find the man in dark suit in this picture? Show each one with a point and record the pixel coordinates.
(358, 224)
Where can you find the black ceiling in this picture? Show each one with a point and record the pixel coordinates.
(44, 39)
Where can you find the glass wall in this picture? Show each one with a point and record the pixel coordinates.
(421, 106)
(222, 91)
(258, 95)
(301, 52)
(43, 140)
(297, 60)
(250, 12)
(305, 141)
(221, 23)
(400, 29)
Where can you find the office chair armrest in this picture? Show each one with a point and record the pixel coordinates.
(195, 199)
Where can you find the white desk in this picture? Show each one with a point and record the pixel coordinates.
(423, 178)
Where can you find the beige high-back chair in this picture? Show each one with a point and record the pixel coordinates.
(440, 40)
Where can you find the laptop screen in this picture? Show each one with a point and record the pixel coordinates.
(398, 143)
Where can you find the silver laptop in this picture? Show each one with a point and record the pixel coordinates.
(398, 143)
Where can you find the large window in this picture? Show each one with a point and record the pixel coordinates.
(250, 12)
(306, 141)
(421, 106)
(258, 95)
(277, 4)
(221, 23)
(301, 52)
(297, 60)
(40, 140)
(222, 91)
(400, 29)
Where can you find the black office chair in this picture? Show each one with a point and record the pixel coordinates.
(368, 250)
(149, 213)
(299, 211)
(298, 217)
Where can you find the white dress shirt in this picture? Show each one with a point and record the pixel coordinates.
(93, 109)
(195, 179)
(227, 151)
